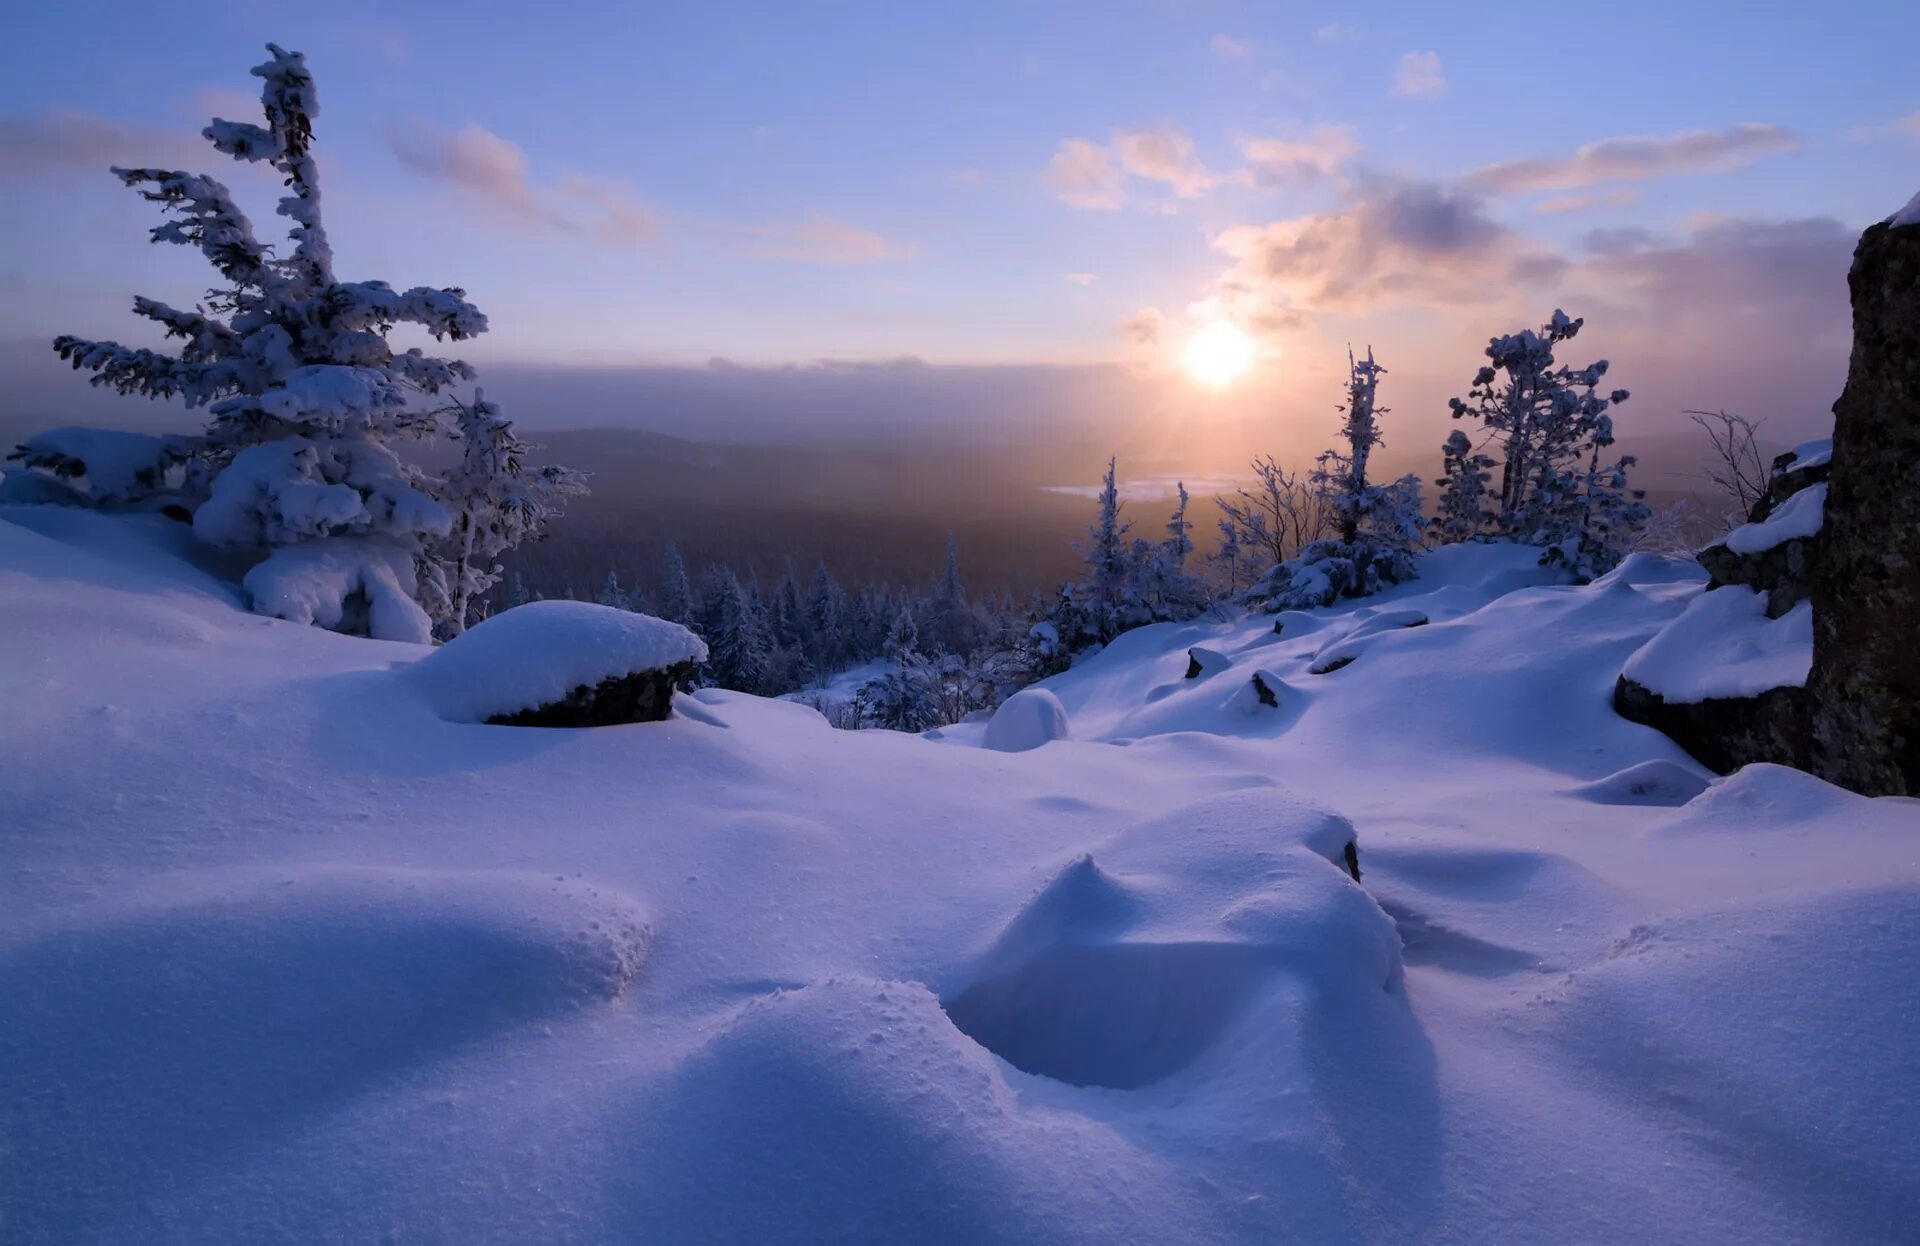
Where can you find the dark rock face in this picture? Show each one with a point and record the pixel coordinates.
(643, 697)
(1785, 572)
(1864, 691)
(1724, 733)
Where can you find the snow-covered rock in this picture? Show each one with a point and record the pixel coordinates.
(1795, 519)
(1026, 720)
(559, 664)
(1724, 645)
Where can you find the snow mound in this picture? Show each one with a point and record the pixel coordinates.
(1138, 960)
(1204, 663)
(1724, 645)
(1798, 517)
(1026, 720)
(246, 1001)
(536, 654)
(1657, 782)
(854, 1111)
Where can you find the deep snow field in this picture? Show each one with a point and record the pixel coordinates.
(283, 955)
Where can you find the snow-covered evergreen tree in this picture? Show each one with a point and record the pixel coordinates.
(1227, 559)
(1549, 421)
(1163, 586)
(904, 636)
(1461, 514)
(676, 594)
(826, 629)
(516, 592)
(1376, 527)
(305, 394)
(740, 651)
(1098, 604)
(611, 594)
(498, 501)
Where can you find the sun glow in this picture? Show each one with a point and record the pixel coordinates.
(1218, 354)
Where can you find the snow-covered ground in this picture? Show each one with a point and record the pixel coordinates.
(285, 954)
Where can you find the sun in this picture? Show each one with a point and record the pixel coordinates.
(1218, 353)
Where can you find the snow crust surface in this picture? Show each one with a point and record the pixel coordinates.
(283, 948)
(535, 654)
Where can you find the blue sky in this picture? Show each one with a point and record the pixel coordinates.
(1002, 183)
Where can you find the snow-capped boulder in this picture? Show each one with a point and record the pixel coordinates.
(1724, 681)
(1026, 720)
(559, 664)
(1774, 550)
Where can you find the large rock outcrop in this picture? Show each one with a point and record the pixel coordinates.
(1805, 649)
(1864, 690)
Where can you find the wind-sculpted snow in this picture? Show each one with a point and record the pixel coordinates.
(286, 954)
(147, 1039)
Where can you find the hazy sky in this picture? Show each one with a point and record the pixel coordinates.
(985, 184)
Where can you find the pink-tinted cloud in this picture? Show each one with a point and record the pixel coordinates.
(1082, 175)
(495, 173)
(822, 240)
(1419, 74)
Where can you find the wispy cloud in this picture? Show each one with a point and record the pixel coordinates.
(1144, 327)
(1318, 154)
(1419, 74)
(1561, 205)
(821, 240)
(1079, 279)
(1637, 158)
(1082, 175)
(1164, 155)
(63, 138)
(1905, 127)
(1334, 31)
(1227, 48)
(494, 173)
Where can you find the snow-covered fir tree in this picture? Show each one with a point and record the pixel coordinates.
(1461, 512)
(306, 398)
(1228, 560)
(826, 630)
(1163, 587)
(676, 594)
(516, 592)
(498, 500)
(1097, 607)
(1375, 527)
(1550, 423)
(611, 594)
(740, 651)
